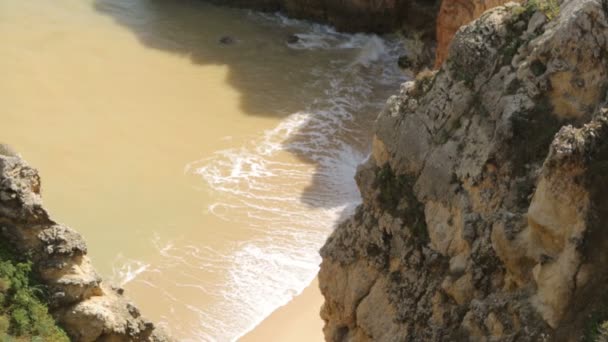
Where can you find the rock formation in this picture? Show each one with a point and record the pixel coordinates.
(86, 307)
(484, 205)
(454, 14)
(353, 15)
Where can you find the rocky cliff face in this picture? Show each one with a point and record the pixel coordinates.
(484, 205)
(353, 15)
(454, 14)
(86, 307)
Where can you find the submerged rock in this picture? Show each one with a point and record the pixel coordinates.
(353, 15)
(86, 307)
(405, 62)
(484, 206)
(227, 40)
(292, 39)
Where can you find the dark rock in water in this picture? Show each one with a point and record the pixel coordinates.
(408, 66)
(353, 15)
(404, 62)
(292, 39)
(227, 40)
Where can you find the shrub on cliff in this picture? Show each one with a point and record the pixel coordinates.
(23, 314)
(549, 7)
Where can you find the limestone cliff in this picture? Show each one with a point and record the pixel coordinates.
(353, 15)
(484, 205)
(454, 14)
(86, 307)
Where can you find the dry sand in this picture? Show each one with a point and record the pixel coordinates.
(298, 321)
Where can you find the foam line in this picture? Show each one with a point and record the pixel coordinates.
(290, 207)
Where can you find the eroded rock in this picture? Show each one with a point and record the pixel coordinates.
(484, 203)
(81, 302)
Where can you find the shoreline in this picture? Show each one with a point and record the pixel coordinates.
(296, 321)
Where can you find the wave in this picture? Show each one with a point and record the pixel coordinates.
(261, 192)
(287, 188)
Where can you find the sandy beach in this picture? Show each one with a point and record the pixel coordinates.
(298, 321)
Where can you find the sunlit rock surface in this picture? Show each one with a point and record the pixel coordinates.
(484, 201)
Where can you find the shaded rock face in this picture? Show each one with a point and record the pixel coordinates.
(456, 13)
(353, 15)
(86, 307)
(484, 205)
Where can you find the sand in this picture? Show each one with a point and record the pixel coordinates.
(298, 321)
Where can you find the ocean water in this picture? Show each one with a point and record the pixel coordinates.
(204, 176)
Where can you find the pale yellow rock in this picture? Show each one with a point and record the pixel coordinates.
(379, 152)
(513, 253)
(491, 221)
(494, 325)
(557, 216)
(445, 229)
(458, 264)
(461, 289)
(475, 331)
(371, 313)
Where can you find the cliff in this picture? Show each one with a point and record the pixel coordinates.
(86, 307)
(454, 14)
(484, 206)
(377, 16)
(432, 20)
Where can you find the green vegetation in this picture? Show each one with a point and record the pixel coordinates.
(23, 314)
(397, 196)
(599, 333)
(549, 7)
(597, 327)
(513, 40)
(461, 72)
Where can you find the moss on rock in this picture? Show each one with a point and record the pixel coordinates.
(396, 195)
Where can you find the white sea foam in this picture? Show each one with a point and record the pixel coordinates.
(127, 270)
(290, 205)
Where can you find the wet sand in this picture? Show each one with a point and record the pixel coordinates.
(298, 321)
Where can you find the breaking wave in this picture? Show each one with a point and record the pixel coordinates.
(288, 188)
